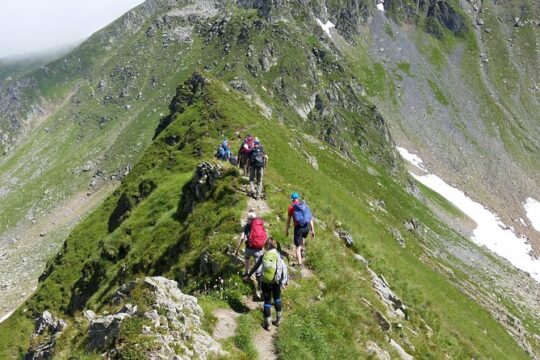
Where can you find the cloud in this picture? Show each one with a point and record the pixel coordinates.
(28, 26)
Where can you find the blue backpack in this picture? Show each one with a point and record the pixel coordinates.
(302, 214)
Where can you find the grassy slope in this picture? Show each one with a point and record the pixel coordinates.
(320, 322)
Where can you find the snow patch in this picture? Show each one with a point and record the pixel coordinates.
(412, 158)
(326, 27)
(490, 231)
(532, 209)
(380, 7)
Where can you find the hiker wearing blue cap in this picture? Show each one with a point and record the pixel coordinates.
(301, 215)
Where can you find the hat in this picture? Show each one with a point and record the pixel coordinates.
(295, 196)
(257, 140)
(251, 214)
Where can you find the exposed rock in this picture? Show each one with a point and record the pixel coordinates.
(48, 328)
(382, 320)
(413, 225)
(88, 166)
(361, 259)
(312, 160)
(46, 322)
(174, 326)
(394, 304)
(181, 325)
(239, 84)
(402, 353)
(398, 237)
(346, 237)
(102, 331)
(89, 315)
(204, 179)
(374, 350)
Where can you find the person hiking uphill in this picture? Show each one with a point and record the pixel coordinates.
(243, 153)
(300, 213)
(274, 277)
(254, 235)
(257, 162)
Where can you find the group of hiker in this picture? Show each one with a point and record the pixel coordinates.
(251, 159)
(269, 267)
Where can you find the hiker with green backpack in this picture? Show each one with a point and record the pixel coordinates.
(301, 215)
(274, 277)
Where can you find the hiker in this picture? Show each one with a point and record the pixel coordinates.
(274, 277)
(303, 224)
(243, 153)
(257, 162)
(254, 236)
(224, 151)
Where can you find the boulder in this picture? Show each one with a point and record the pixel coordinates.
(103, 330)
(346, 237)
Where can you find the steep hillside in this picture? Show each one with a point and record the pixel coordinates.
(160, 222)
(94, 139)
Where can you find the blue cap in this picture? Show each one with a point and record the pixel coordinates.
(294, 196)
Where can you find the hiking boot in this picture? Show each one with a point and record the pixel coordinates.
(276, 322)
(266, 324)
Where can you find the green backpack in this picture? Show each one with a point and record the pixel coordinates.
(269, 266)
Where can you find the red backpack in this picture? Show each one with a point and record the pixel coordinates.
(257, 235)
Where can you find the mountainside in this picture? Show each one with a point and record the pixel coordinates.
(101, 138)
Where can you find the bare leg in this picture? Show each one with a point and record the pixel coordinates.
(246, 264)
(299, 254)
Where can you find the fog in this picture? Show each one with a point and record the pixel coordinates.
(33, 26)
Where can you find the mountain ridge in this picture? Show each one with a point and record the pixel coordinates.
(307, 84)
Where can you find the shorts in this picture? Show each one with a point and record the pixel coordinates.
(256, 254)
(300, 233)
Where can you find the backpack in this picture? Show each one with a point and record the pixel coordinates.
(269, 266)
(247, 145)
(257, 157)
(220, 152)
(302, 214)
(257, 235)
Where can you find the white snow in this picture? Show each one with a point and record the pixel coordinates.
(380, 7)
(490, 231)
(412, 158)
(326, 27)
(532, 209)
(6, 316)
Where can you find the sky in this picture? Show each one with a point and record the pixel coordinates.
(29, 26)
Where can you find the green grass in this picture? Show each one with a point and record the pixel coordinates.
(439, 95)
(165, 233)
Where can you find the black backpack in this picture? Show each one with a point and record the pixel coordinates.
(257, 157)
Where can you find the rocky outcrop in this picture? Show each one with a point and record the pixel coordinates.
(103, 330)
(47, 330)
(202, 183)
(172, 324)
(395, 306)
(179, 324)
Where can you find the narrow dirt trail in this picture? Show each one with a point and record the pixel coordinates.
(226, 323)
(264, 341)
